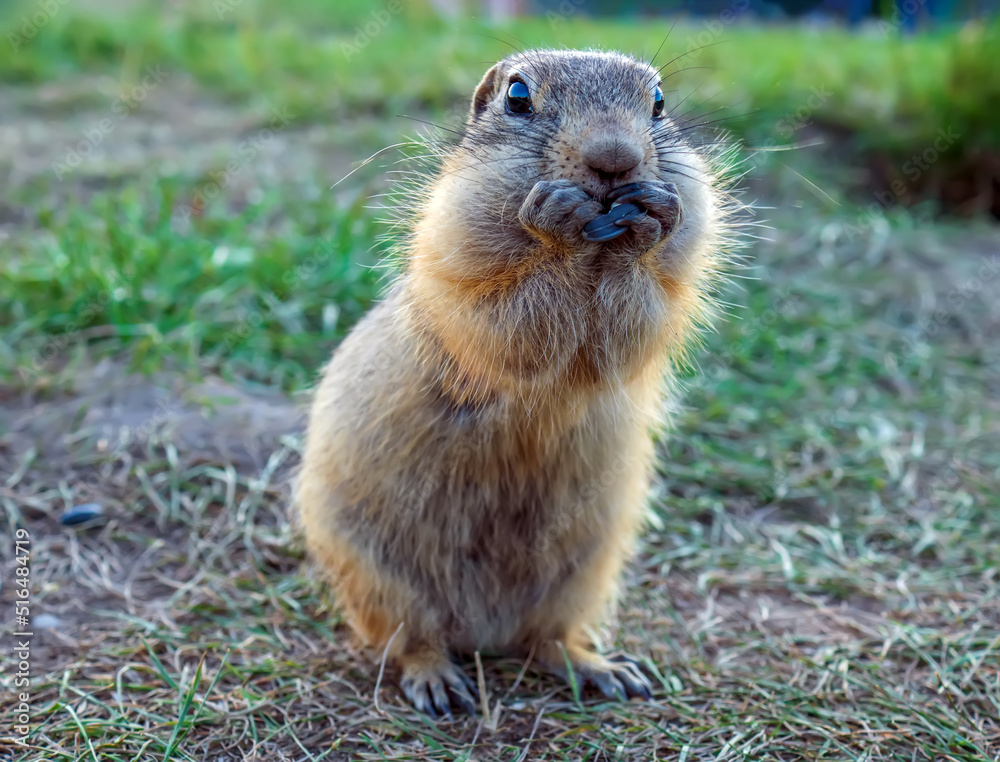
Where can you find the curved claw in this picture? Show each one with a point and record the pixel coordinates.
(622, 678)
(463, 689)
(417, 692)
(434, 691)
(629, 672)
(610, 685)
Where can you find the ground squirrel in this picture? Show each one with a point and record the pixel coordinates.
(480, 448)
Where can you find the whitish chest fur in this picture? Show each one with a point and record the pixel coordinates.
(484, 511)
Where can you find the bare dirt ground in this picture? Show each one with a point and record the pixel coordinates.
(87, 445)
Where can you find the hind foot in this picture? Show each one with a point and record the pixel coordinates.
(617, 677)
(434, 684)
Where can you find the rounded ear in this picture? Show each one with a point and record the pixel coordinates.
(485, 91)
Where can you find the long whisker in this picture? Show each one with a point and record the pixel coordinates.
(370, 159)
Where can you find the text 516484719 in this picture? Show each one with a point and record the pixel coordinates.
(22, 634)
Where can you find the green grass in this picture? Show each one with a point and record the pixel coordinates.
(819, 578)
(263, 292)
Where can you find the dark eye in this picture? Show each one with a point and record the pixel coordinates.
(518, 98)
(657, 103)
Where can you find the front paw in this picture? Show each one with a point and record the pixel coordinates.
(663, 211)
(558, 209)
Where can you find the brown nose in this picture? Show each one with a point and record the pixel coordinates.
(609, 155)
